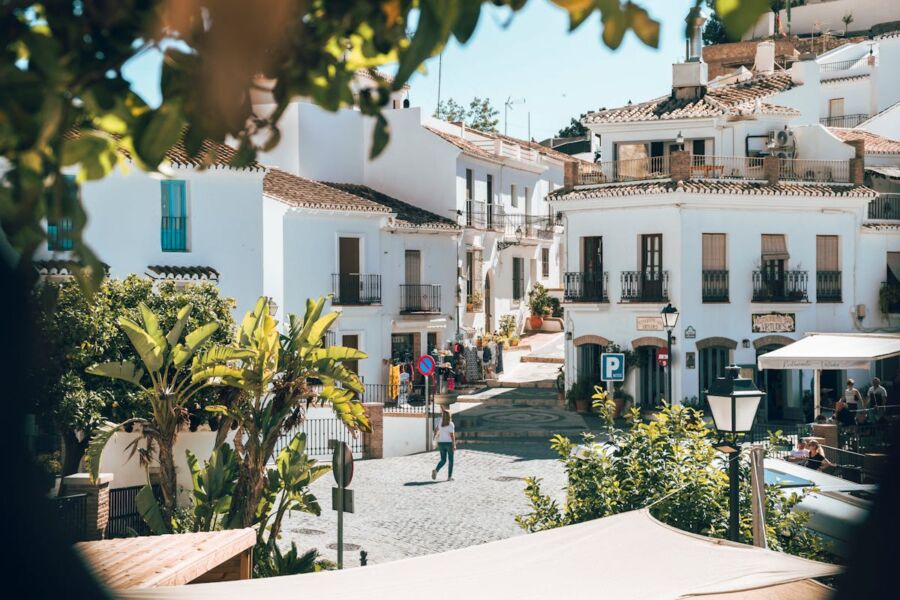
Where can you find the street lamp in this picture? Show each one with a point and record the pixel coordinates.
(519, 236)
(670, 319)
(733, 401)
(679, 139)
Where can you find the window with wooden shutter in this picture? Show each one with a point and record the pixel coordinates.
(827, 253)
(714, 256)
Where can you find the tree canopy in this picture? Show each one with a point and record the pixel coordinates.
(574, 129)
(62, 71)
(480, 115)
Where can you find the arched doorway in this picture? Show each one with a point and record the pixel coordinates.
(488, 309)
(776, 383)
(651, 382)
(714, 354)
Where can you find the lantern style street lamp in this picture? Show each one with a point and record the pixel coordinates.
(670, 319)
(733, 401)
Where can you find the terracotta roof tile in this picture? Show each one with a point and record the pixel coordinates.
(875, 144)
(784, 188)
(846, 79)
(306, 193)
(464, 145)
(190, 273)
(728, 99)
(407, 214)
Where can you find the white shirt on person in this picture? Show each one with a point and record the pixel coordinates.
(445, 432)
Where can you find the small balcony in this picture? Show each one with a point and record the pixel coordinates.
(481, 215)
(616, 171)
(420, 298)
(715, 285)
(848, 121)
(645, 286)
(355, 289)
(532, 227)
(886, 207)
(828, 286)
(586, 287)
(173, 234)
(780, 286)
(824, 171)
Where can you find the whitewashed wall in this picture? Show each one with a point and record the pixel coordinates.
(404, 435)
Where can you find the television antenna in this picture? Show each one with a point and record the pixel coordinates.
(508, 106)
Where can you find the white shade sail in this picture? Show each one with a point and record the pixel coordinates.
(832, 351)
(626, 556)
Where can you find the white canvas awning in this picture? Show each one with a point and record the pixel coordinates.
(832, 351)
(631, 555)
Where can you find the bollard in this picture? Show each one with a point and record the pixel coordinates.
(363, 558)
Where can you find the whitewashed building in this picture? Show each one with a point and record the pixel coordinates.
(494, 187)
(730, 201)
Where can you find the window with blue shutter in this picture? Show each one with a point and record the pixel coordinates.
(173, 230)
(59, 231)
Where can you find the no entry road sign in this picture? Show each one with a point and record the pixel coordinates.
(662, 359)
(612, 366)
(425, 365)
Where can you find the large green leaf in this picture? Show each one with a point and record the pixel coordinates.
(193, 340)
(220, 354)
(178, 328)
(99, 439)
(232, 375)
(151, 325)
(125, 370)
(145, 502)
(319, 328)
(158, 131)
(146, 346)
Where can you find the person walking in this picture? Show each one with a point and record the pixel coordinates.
(852, 397)
(445, 434)
(877, 397)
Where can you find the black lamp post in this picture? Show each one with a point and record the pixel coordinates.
(733, 401)
(519, 236)
(670, 319)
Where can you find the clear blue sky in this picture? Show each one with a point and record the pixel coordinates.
(559, 74)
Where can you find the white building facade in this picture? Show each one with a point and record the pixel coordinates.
(730, 201)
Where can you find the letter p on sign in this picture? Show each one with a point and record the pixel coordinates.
(612, 367)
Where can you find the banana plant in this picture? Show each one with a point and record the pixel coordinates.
(168, 381)
(274, 394)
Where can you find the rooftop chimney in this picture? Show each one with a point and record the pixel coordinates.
(765, 57)
(690, 77)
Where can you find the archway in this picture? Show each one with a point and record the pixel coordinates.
(714, 354)
(651, 383)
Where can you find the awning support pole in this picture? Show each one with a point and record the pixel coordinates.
(817, 394)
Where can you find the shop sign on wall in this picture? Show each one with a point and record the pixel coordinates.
(690, 333)
(649, 324)
(773, 323)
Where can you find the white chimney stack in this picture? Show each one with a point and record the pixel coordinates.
(765, 57)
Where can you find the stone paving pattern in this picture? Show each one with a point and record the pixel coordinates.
(401, 512)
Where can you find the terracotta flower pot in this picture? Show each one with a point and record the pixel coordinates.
(535, 322)
(583, 405)
(620, 405)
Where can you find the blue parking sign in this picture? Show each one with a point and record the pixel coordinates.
(612, 366)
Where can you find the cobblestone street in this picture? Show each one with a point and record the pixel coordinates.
(401, 512)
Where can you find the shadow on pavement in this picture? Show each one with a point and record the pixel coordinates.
(418, 483)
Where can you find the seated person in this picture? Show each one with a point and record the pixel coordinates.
(816, 458)
(842, 413)
(800, 454)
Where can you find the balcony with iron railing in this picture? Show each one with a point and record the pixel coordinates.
(700, 167)
(828, 286)
(847, 121)
(504, 149)
(420, 298)
(481, 215)
(586, 287)
(645, 286)
(780, 286)
(715, 285)
(886, 207)
(355, 289)
(529, 226)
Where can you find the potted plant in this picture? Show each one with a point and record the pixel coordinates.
(579, 396)
(477, 300)
(479, 342)
(514, 341)
(621, 398)
(538, 303)
(508, 325)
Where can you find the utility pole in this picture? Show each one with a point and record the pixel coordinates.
(440, 61)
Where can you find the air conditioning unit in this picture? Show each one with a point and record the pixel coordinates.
(784, 137)
(781, 143)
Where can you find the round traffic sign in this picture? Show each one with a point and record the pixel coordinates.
(662, 359)
(425, 365)
(343, 473)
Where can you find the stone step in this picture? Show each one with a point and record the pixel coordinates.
(542, 384)
(501, 401)
(555, 360)
(470, 435)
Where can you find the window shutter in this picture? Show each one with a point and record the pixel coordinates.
(774, 247)
(827, 254)
(714, 258)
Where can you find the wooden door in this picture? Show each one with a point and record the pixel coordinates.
(592, 256)
(412, 291)
(348, 270)
(651, 267)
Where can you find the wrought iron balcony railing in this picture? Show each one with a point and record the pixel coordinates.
(715, 285)
(780, 286)
(356, 288)
(586, 287)
(828, 286)
(645, 286)
(420, 298)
